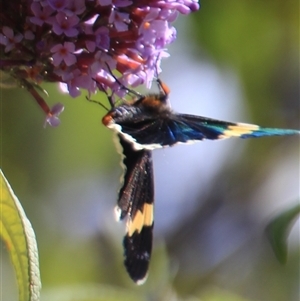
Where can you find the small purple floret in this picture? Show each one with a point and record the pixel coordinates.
(52, 117)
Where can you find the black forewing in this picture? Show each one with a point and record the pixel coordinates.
(136, 199)
(138, 186)
(169, 129)
(137, 253)
(173, 128)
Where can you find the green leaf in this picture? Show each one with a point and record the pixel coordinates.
(278, 230)
(19, 238)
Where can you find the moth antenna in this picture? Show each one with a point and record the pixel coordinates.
(97, 102)
(100, 86)
(122, 85)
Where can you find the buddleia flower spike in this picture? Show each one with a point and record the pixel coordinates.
(72, 42)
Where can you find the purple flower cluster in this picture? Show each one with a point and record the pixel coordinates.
(78, 42)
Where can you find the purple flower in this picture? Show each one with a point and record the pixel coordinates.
(64, 24)
(9, 39)
(119, 20)
(76, 7)
(72, 42)
(102, 60)
(58, 5)
(64, 53)
(41, 14)
(52, 116)
(102, 38)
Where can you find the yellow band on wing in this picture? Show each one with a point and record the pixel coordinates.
(239, 129)
(141, 219)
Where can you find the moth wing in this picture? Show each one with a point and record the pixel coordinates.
(136, 198)
(217, 129)
(174, 128)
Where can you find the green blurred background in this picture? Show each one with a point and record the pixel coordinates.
(232, 60)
